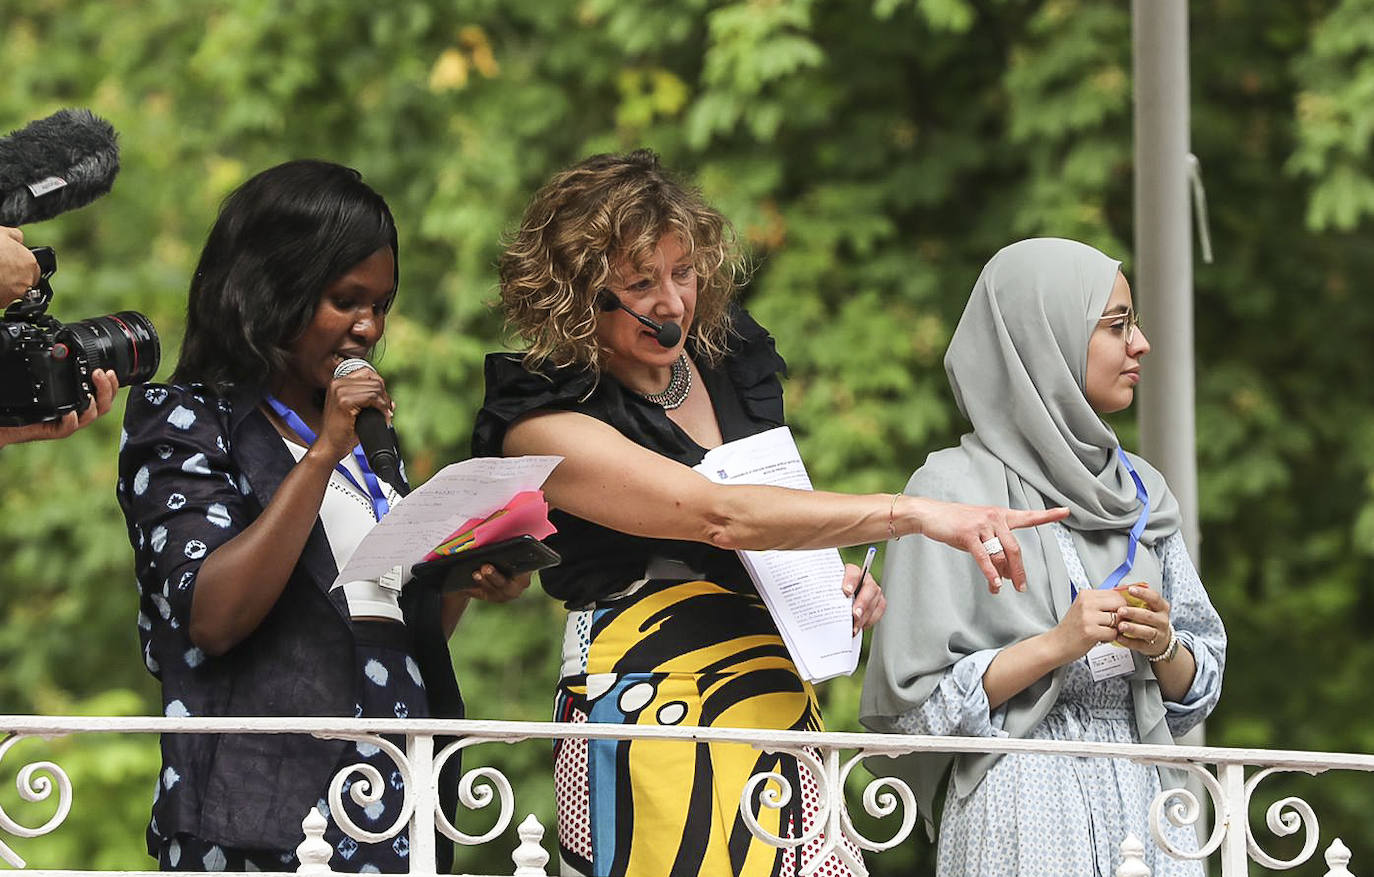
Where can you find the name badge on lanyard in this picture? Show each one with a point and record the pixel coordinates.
(1109, 660)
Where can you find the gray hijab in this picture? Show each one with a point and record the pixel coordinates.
(1017, 364)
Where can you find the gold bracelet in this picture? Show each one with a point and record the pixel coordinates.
(891, 523)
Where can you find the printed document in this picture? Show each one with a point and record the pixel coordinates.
(474, 488)
(803, 589)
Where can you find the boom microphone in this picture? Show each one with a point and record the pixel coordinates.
(666, 334)
(379, 446)
(55, 164)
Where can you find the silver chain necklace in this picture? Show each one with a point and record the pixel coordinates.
(679, 385)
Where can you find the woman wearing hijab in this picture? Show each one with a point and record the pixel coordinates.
(1115, 640)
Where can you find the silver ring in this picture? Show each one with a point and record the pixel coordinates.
(992, 546)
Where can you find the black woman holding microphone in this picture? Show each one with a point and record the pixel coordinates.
(245, 495)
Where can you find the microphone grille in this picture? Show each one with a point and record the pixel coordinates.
(349, 366)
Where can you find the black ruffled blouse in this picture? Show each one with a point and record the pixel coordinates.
(597, 561)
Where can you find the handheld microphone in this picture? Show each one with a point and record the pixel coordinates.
(52, 165)
(666, 334)
(379, 446)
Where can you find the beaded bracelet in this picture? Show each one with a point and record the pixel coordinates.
(891, 524)
(1169, 651)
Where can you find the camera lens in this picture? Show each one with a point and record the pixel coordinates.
(125, 342)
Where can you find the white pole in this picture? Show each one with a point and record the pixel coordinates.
(1163, 281)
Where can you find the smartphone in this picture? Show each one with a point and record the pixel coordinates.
(511, 556)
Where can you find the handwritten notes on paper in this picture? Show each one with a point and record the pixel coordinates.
(471, 489)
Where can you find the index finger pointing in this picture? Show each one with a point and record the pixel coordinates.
(1018, 518)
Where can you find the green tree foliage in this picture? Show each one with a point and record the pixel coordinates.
(872, 155)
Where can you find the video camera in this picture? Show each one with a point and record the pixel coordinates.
(48, 167)
(46, 366)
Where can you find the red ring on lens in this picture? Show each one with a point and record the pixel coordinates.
(133, 342)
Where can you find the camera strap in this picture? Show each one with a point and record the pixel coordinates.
(373, 491)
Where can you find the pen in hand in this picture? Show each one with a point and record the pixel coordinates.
(863, 574)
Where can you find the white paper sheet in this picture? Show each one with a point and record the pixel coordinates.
(801, 588)
(471, 489)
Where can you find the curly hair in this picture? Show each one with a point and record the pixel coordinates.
(580, 225)
(281, 238)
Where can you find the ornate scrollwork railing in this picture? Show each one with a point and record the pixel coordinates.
(1284, 817)
(832, 826)
(1185, 811)
(1230, 795)
(366, 786)
(477, 789)
(35, 783)
(828, 760)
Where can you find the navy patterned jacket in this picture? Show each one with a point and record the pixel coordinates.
(195, 469)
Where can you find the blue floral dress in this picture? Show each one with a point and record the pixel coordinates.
(1059, 815)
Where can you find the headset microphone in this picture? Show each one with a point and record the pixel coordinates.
(666, 334)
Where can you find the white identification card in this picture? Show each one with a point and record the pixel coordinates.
(393, 579)
(1107, 661)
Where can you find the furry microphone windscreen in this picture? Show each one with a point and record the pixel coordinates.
(55, 164)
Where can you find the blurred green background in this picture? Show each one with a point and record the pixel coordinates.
(873, 154)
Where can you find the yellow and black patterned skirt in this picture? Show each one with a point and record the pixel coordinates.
(679, 653)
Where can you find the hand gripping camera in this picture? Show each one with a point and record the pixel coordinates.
(46, 366)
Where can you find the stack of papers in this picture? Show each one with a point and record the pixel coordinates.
(803, 589)
(527, 514)
(440, 509)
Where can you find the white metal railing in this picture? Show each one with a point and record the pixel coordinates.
(828, 757)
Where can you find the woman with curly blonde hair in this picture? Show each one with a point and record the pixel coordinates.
(621, 280)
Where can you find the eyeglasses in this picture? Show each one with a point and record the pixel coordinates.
(1128, 322)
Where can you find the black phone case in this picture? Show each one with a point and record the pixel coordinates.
(511, 556)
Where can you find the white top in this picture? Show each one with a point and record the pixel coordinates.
(347, 516)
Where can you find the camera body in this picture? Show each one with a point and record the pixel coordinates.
(46, 365)
(40, 378)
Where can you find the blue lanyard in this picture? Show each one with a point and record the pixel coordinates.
(374, 488)
(1144, 497)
